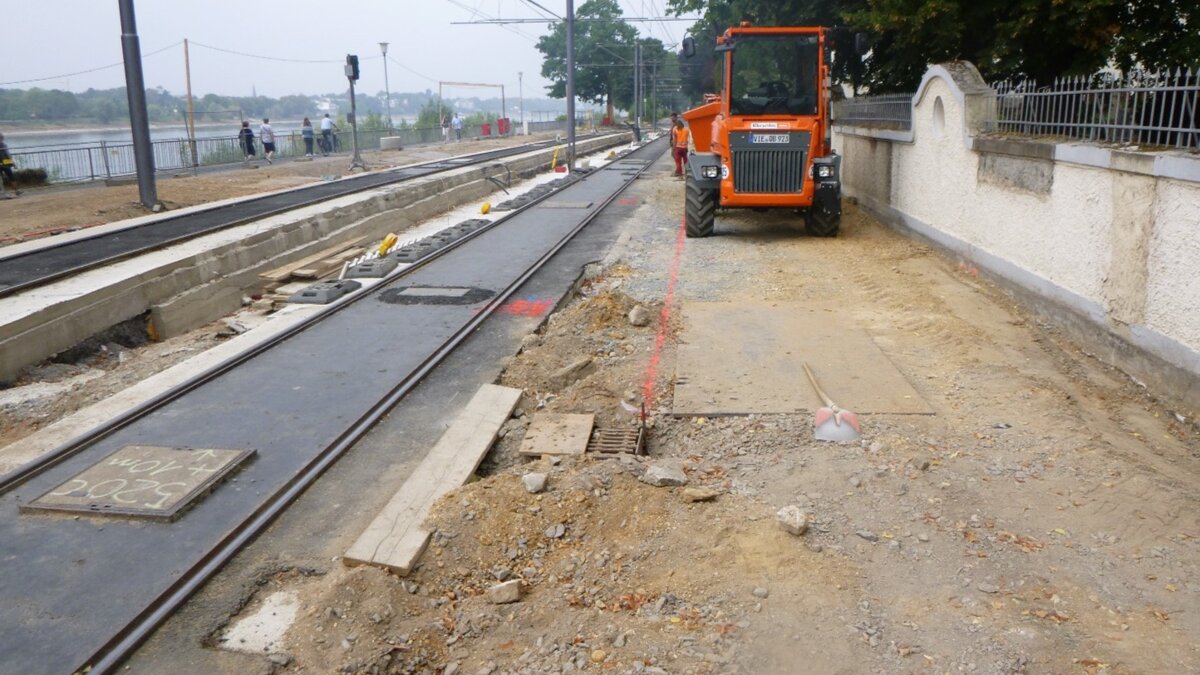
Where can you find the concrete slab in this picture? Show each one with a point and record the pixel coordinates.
(142, 481)
(557, 434)
(743, 358)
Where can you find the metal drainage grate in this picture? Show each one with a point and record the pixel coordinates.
(614, 441)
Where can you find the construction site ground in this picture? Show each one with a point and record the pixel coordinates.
(1041, 520)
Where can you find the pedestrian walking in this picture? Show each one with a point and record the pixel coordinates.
(457, 124)
(445, 129)
(326, 135)
(679, 141)
(6, 171)
(267, 134)
(246, 139)
(306, 132)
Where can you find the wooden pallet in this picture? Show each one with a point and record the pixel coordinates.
(285, 272)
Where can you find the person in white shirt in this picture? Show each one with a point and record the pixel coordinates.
(267, 134)
(326, 134)
(457, 124)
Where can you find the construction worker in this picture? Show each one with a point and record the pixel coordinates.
(679, 145)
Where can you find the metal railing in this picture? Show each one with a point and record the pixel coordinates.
(81, 162)
(891, 111)
(1160, 109)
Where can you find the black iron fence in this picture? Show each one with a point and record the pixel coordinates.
(890, 111)
(1157, 109)
(1152, 109)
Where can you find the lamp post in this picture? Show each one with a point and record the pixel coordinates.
(521, 94)
(387, 90)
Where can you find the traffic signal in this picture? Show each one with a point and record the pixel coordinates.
(352, 66)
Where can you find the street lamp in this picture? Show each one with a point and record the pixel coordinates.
(387, 90)
(521, 94)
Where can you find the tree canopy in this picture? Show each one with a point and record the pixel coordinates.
(1040, 39)
(604, 57)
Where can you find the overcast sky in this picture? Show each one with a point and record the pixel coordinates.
(53, 41)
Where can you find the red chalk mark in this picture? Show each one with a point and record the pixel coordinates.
(628, 201)
(664, 319)
(527, 307)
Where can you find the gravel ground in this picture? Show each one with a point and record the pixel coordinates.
(1042, 521)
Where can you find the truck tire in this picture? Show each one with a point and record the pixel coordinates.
(822, 223)
(699, 208)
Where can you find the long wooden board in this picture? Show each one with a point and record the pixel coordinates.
(397, 537)
(328, 265)
(284, 272)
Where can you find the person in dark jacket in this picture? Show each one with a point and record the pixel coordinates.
(306, 132)
(246, 139)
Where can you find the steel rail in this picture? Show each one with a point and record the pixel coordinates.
(324, 191)
(109, 657)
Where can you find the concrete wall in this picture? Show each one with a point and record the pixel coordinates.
(1105, 241)
(200, 280)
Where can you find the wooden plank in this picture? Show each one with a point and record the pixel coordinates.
(283, 272)
(328, 265)
(397, 536)
(557, 434)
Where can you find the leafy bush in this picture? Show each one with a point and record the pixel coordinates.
(31, 177)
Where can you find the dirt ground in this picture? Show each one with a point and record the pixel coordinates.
(1042, 521)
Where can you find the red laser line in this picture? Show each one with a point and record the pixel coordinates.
(664, 317)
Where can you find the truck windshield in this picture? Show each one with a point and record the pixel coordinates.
(774, 75)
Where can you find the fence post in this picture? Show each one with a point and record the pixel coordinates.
(107, 169)
(91, 166)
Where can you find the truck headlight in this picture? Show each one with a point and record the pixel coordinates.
(710, 171)
(824, 170)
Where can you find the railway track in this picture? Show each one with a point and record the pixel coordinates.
(82, 591)
(34, 268)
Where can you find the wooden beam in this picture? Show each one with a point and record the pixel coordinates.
(397, 537)
(283, 272)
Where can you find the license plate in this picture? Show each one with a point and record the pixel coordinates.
(769, 138)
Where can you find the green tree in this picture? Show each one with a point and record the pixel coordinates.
(603, 56)
(1042, 39)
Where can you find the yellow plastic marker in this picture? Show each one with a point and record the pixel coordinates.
(387, 243)
(554, 159)
(487, 206)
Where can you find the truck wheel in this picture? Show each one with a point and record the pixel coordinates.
(699, 208)
(821, 223)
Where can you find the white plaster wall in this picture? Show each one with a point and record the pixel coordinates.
(1173, 287)
(1062, 237)
(1062, 242)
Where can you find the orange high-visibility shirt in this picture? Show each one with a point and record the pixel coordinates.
(680, 135)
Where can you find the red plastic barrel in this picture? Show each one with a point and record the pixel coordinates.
(485, 129)
(502, 126)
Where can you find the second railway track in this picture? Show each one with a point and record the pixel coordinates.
(33, 268)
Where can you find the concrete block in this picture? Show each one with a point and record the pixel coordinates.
(188, 311)
(1022, 173)
(372, 269)
(391, 143)
(325, 292)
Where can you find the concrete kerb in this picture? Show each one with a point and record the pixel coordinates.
(63, 314)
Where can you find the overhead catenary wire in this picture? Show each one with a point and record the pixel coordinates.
(90, 70)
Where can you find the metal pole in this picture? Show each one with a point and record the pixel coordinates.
(521, 94)
(357, 160)
(191, 120)
(503, 109)
(387, 90)
(637, 86)
(654, 96)
(571, 84)
(135, 89)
